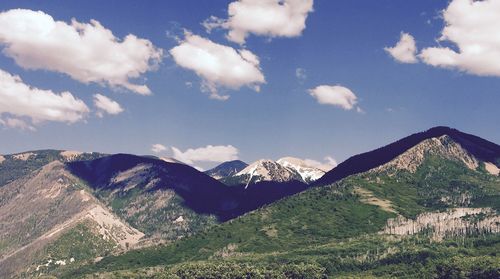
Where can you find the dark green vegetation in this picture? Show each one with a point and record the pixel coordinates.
(437, 184)
(79, 245)
(335, 228)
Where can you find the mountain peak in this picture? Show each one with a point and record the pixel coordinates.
(226, 169)
(443, 146)
(477, 147)
(306, 171)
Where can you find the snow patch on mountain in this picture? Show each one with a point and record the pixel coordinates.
(307, 172)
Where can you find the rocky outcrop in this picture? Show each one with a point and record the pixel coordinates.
(443, 146)
(492, 168)
(453, 222)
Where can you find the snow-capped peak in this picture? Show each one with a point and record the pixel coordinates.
(306, 171)
(285, 169)
(267, 170)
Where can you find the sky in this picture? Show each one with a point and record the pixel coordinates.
(208, 81)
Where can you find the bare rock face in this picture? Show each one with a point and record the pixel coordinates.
(443, 146)
(453, 222)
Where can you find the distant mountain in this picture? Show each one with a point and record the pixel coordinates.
(482, 149)
(307, 172)
(284, 170)
(226, 169)
(425, 206)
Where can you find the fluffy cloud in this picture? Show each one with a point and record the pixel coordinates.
(405, 51)
(218, 65)
(209, 153)
(272, 18)
(23, 101)
(87, 52)
(106, 105)
(334, 95)
(472, 26)
(158, 148)
(328, 164)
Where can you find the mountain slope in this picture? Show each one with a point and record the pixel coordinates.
(386, 221)
(14, 166)
(226, 169)
(165, 200)
(37, 209)
(482, 149)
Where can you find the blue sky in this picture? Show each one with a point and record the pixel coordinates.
(342, 44)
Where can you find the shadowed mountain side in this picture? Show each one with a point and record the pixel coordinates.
(262, 193)
(226, 169)
(480, 148)
(199, 192)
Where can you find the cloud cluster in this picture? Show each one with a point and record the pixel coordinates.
(473, 26)
(209, 153)
(19, 100)
(470, 40)
(271, 18)
(405, 51)
(328, 164)
(106, 105)
(158, 148)
(335, 95)
(87, 52)
(218, 65)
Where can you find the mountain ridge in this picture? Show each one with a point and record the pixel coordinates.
(481, 148)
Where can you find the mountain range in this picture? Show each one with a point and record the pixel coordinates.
(426, 204)
(286, 169)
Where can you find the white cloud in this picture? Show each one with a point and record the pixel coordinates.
(334, 95)
(218, 65)
(209, 153)
(106, 105)
(328, 164)
(300, 74)
(405, 50)
(87, 52)
(16, 123)
(21, 100)
(158, 148)
(472, 27)
(271, 18)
